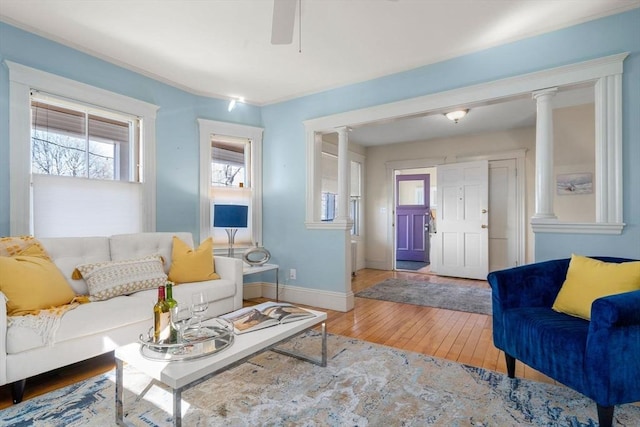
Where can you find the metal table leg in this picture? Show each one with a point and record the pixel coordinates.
(119, 393)
(323, 357)
(177, 407)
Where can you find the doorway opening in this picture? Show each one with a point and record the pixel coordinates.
(414, 218)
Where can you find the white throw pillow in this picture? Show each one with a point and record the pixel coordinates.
(113, 278)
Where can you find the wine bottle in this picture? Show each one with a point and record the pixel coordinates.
(173, 334)
(161, 318)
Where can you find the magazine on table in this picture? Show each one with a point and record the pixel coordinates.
(264, 315)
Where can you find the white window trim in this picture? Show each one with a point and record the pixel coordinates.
(21, 80)
(605, 73)
(212, 127)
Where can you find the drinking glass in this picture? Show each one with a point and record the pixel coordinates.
(180, 320)
(199, 305)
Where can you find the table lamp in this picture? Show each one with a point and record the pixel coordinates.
(230, 217)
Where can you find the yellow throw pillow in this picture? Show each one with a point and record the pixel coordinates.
(192, 265)
(589, 279)
(22, 245)
(31, 284)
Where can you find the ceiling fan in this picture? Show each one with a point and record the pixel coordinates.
(284, 17)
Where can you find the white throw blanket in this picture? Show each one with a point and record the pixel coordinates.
(45, 323)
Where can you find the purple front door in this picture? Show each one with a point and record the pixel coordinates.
(412, 213)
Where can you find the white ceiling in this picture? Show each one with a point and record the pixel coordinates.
(222, 48)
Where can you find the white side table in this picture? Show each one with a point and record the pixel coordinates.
(248, 270)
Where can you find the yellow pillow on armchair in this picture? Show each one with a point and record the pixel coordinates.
(589, 279)
(192, 265)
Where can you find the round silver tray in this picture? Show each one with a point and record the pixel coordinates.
(212, 337)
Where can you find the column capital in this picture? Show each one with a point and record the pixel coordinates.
(550, 91)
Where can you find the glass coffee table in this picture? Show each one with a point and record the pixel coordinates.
(180, 375)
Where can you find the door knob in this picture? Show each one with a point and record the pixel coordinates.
(484, 211)
(484, 226)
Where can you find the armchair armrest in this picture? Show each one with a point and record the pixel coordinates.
(613, 343)
(616, 311)
(531, 285)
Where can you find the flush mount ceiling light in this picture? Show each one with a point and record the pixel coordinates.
(454, 116)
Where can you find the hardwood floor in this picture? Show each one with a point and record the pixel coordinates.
(458, 336)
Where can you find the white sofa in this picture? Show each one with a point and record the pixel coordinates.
(99, 327)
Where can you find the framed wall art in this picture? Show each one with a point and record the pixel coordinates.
(574, 183)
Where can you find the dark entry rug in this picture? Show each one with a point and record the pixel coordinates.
(451, 297)
(410, 265)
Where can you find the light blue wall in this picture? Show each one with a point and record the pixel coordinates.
(176, 130)
(317, 255)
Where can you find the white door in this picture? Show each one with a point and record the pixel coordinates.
(462, 238)
(503, 209)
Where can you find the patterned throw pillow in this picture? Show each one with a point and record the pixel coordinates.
(22, 245)
(113, 278)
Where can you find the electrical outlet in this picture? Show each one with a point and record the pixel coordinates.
(292, 274)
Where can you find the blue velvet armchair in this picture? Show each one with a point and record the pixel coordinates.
(598, 358)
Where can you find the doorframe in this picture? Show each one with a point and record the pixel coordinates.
(519, 155)
(391, 168)
(396, 204)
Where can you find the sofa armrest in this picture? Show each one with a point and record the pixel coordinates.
(531, 285)
(3, 339)
(231, 269)
(616, 311)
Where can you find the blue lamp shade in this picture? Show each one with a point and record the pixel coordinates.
(230, 216)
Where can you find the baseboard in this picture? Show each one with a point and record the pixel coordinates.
(252, 290)
(298, 295)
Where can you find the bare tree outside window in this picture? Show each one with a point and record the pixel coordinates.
(228, 164)
(63, 155)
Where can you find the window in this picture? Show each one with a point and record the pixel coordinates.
(329, 185)
(229, 161)
(70, 139)
(355, 197)
(79, 163)
(230, 173)
(329, 194)
(231, 183)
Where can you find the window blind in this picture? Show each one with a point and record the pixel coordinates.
(65, 206)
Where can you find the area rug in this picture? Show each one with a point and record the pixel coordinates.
(364, 384)
(451, 297)
(410, 265)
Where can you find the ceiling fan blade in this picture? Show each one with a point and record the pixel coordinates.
(284, 16)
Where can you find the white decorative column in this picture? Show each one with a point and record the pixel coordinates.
(545, 183)
(343, 219)
(344, 175)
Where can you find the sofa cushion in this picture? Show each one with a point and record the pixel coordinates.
(68, 252)
(109, 279)
(129, 246)
(32, 284)
(85, 320)
(192, 265)
(589, 279)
